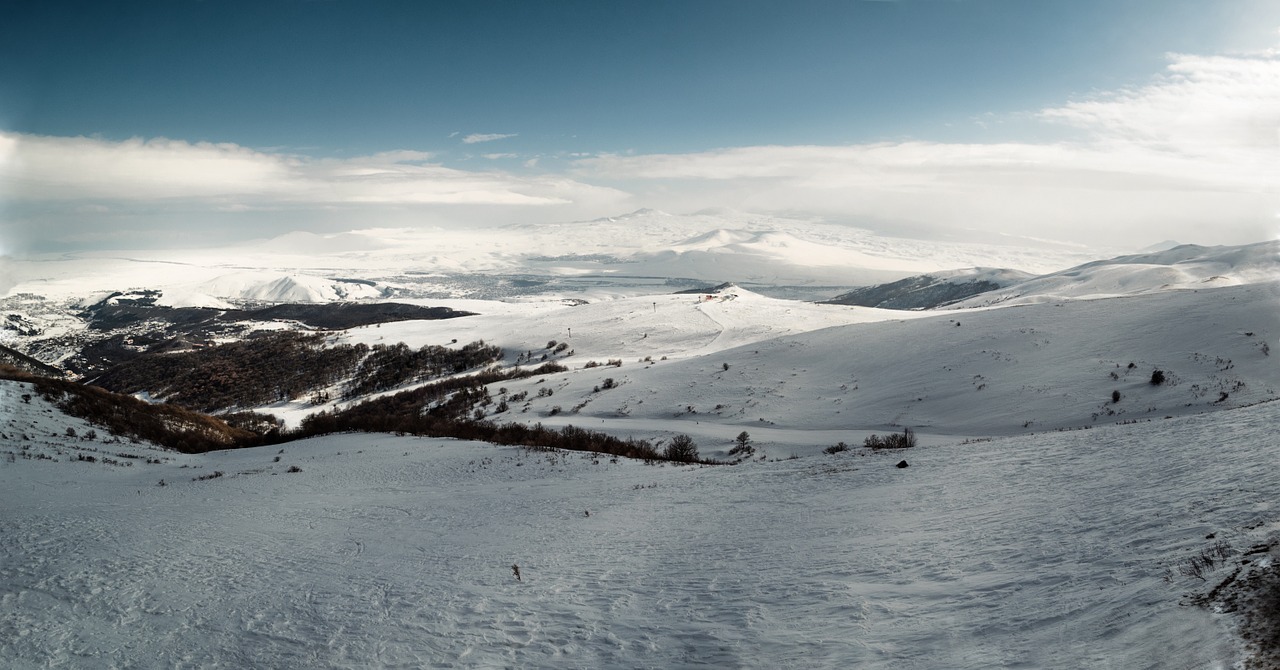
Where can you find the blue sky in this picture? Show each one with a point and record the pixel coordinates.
(566, 109)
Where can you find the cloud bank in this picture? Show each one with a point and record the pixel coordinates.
(1192, 155)
(79, 168)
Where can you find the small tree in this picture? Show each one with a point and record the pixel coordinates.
(742, 445)
(1157, 377)
(682, 448)
(1115, 396)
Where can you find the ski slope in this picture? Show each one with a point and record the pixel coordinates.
(1044, 551)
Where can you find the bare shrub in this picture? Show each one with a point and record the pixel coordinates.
(681, 448)
(1200, 565)
(904, 440)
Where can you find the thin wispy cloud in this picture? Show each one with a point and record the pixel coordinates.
(476, 138)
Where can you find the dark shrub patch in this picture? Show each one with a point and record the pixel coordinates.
(904, 440)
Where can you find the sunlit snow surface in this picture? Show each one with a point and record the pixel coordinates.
(1042, 551)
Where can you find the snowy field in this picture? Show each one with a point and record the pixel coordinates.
(1044, 551)
(1047, 519)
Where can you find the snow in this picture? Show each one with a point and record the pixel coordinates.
(1182, 267)
(1042, 551)
(281, 288)
(795, 368)
(1035, 526)
(708, 246)
(675, 325)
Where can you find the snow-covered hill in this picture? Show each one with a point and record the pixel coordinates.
(1059, 550)
(271, 287)
(803, 376)
(1014, 538)
(932, 290)
(1182, 267)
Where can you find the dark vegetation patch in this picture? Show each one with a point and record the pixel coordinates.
(904, 440)
(389, 366)
(276, 366)
(267, 367)
(17, 359)
(165, 425)
(334, 316)
(920, 292)
(444, 409)
(341, 316)
(128, 327)
(451, 407)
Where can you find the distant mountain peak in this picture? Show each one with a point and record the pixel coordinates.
(1160, 246)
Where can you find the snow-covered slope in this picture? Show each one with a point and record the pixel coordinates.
(273, 287)
(932, 290)
(1183, 267)
(804, 376)
(1060, 550)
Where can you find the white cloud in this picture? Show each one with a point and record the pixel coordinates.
(1195, 154)
(1204, 105)
(486, 137)
(53, 169)
(494, 157)
(56, 168)
(59, 192)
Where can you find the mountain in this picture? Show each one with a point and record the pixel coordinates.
(931, 290)
(624, 254)
(266, 287)
(1186, 267)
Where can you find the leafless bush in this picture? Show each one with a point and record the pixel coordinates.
(1202, 564)
(904, 440)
